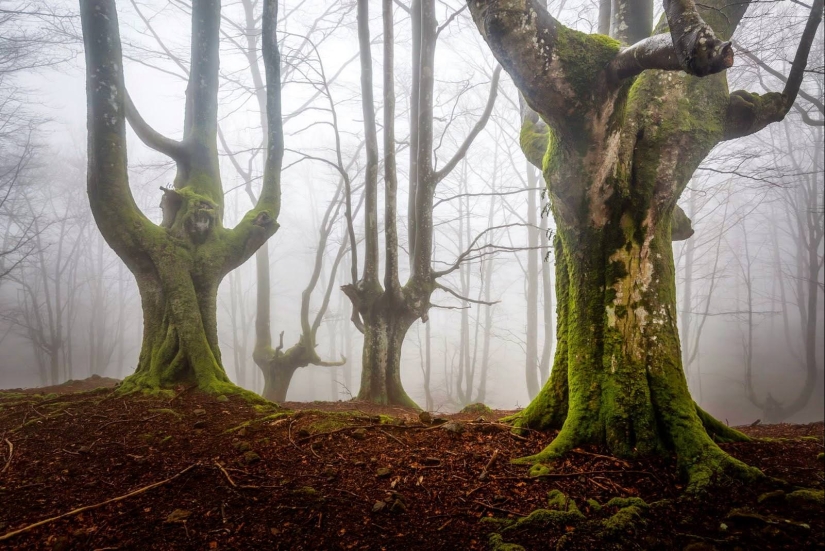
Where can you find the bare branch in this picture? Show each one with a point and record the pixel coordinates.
(479, 126)
(151, 137)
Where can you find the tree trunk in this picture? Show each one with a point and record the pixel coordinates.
(531, 367)
(385, 326)
(547, 303)
(180, 330)
(617, 152)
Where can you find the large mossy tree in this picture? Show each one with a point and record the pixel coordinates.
(618, 125)
(178, 264)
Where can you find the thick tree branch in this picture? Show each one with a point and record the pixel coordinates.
(522, 36)
(151, 137)
(749, 112)
(773, 72)
(477, 128)
(370, 274)
(696, 46)
(120, 220)
(656, 52)
(391, 278)
(260, 222)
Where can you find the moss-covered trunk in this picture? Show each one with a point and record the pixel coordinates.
(180, 333)
(385, 327)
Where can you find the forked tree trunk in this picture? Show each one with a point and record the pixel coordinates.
(385, 326)
(180, 329)
(178, 264)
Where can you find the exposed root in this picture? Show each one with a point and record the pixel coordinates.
(718, 431)
(712, 465)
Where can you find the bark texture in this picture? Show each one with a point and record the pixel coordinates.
(617, 148)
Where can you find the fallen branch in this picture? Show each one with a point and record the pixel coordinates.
(591, 454)
(393, 437)
(226, 474)
(499, 509)
(10, 535)
(11, 453)
(483, 475)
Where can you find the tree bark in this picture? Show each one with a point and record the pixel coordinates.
(386, 324)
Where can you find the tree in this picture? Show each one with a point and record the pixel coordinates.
(618, 131)
(179, 263)
(385, 313)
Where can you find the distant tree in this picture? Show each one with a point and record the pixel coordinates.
(384, 313)
(618, 126)
(179, 263)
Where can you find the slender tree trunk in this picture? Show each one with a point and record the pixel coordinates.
(531, 366)
(548, 309)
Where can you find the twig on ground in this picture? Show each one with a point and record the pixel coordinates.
(79, 510)
(185, 390)
(289, 435)
(11, 453)
(226, 474)
(440, 528)
(474, 490)
(499, 509)
(483, 475)
(393, 437)
(591, 454)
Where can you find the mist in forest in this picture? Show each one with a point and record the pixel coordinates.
(750, 280)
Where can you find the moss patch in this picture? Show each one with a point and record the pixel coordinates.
(477, 409)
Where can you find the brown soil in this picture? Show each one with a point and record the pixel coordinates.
(314, 478)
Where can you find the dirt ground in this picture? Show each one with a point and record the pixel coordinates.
(200, 472)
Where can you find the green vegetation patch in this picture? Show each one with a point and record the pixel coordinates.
(477, 409)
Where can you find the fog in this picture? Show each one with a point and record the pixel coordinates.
(749, 281)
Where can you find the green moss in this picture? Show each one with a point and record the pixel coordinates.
(477, 409)
(497, 543)
(557, 501)
(497, 521)
(807, 496)
(583, 58)
(622, 502)
(623, 520)
(265, 408)
(327, 424)
(538, 470)
(535, 139)
(594, 505)
(544, 518)
(258, 421)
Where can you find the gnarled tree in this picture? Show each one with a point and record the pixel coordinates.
(179, 263)
(618, 126)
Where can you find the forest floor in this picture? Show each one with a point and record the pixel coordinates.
(200, 472)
